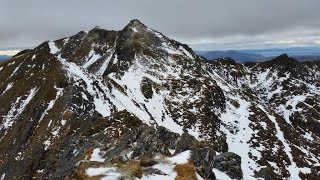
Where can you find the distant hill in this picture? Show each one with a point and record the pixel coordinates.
(296, 51)
(3, 57)
(237, 55)
(299, 53)
(299, 58)
(307, 58)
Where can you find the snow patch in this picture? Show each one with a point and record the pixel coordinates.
(187, 53)
(308, 136)
(84, 96)
(46, 144)
(3, 176)
(105, 64)
(55, 132)
(93, 57)
(180, 158)
(221, 175)
(170, 49)
(134, 29)
(51, 103)
(17, 108)
(53, 48)
(97, 155)
(16, 69)
(9, 86)
(63, 122)
(286, 113)
(110, 172)
(168, 165)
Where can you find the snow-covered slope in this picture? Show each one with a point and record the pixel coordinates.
(137, 104)
(268, 121)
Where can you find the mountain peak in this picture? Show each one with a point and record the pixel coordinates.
(135, 25)
(284, 55)
(135, 21)
(284, 59)
(97, 27)
(284, 64)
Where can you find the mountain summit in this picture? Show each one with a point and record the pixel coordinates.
(135, 23)
(136, 104)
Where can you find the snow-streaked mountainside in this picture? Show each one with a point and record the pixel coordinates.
(135, 104)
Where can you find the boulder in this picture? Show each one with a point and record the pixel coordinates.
(230, 163)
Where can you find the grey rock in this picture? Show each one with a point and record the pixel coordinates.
(202, 157)
(144, 141)
(149, 171)
(186, 142)
(230, 163)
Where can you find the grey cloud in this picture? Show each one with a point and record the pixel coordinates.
(28, 23)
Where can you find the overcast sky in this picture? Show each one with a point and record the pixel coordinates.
(204, 24)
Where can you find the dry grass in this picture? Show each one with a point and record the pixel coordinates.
(147, 162)
(185, 171)
(133, 169)
(129, 170)
(81, 175)
(80, 171)
(67, 115)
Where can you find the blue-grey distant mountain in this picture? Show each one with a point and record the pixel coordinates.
(299, 53)
(296, 51)
(307, 58)
(236, 55)
(3, 57)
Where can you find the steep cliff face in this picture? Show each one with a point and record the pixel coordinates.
(136, 104)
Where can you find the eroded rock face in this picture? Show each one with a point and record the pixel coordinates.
(203, 156)
(143, 141)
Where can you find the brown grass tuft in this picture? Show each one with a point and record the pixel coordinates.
(185, 171)
(147, 162)
(67, 115)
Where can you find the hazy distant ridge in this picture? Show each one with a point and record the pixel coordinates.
(299, 53)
